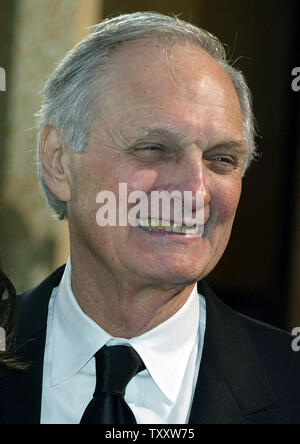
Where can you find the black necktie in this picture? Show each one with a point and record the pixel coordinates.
(115, 367)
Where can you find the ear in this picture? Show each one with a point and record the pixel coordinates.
(54, 156)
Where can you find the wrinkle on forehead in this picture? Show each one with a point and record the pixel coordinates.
(149, 69)
(209, 66)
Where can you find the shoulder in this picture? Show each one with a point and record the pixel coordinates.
(269, 340)
(245, 346)
(35, 295)
(280, 360)
(32, 307)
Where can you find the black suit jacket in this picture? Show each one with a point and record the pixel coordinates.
(248, 373)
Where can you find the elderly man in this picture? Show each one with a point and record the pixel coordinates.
(122, 334)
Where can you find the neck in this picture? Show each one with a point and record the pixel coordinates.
(123, 308)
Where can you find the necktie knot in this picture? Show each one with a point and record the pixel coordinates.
(115, 367)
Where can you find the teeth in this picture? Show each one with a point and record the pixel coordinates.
(144, 222)
(190, 230)
(178, 228)
(159, 225)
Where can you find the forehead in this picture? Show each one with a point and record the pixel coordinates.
(151, 81)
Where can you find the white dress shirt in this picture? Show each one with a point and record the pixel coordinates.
(160, 394)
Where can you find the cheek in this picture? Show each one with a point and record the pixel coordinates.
(86, 184)
(226, 200)
(142, 180)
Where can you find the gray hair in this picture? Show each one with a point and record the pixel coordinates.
(69, 100)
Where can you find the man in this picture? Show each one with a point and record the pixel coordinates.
(148, 101)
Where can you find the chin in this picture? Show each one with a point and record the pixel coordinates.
(177, 275)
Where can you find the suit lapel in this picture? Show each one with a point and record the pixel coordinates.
(20, 391)
(231, 383)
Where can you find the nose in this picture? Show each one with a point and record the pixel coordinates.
(192, 177)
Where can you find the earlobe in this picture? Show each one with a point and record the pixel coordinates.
(53, 155)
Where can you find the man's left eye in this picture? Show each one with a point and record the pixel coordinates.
(224, 159)
(222, 163)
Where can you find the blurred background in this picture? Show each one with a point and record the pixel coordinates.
(259, 273)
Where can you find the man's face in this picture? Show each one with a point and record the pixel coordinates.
(168, 122)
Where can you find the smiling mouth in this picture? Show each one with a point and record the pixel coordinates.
(170, 227)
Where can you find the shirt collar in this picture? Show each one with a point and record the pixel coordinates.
(165, 349)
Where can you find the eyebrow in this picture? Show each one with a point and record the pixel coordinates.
(169, 132)
(165, 132)
(236, 145)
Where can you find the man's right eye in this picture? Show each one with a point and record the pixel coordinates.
(152, 148)
(151, 152)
